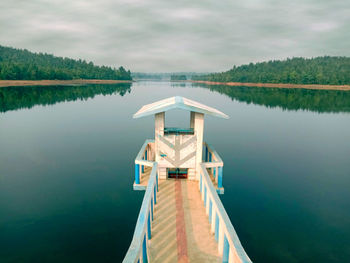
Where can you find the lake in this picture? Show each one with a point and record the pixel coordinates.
(67, 169)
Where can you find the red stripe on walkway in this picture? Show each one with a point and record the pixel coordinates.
(181, 239)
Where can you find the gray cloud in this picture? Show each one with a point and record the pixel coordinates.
(158, 35)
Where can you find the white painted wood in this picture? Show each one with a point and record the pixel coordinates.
(178, 149)
(192, 119)
(180, 103)
(198, 131)
(162, 173)
(213, 164)
(207, 204)
(192, 174)
(231, 256)
(159, 121)
(221, 237)
(213, 217)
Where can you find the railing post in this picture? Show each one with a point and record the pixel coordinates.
(220, 176)
(140, 172)
(152, 200)
(144, 250)
(210, 210)
(226, 252)
(206, 153)
(155, 196)
(200, 184)
(137, 174)
(221, 239)
(217, 228)
(205, 196)
(149, 226)
(157, 181)
(213, 217)
(203, 186)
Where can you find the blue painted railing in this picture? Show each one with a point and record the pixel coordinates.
(178, 131)
(213, 161)
(143, 158)
(229, 246)
(139, 248)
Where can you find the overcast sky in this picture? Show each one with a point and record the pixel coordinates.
(163, 36)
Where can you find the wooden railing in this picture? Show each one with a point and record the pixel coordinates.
(229, 246)
(139, 248)
(144, 158)
(214, 162)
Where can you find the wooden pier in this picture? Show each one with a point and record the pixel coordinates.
(181, 220)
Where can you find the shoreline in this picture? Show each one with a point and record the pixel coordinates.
(277, 85)
(16, 83)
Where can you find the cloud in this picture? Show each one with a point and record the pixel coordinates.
(323, 26)
(157, 35)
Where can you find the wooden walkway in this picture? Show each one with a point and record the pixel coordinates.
(181, 230)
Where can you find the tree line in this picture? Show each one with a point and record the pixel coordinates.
(325, 70)
(178, 77)
(18, 64)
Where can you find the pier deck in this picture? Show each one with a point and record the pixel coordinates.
(181, 230)
(147, 171)
(181, 220)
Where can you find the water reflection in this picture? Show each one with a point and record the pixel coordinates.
(287, 99)
(14, 98)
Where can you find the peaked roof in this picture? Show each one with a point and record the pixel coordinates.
(177, 103)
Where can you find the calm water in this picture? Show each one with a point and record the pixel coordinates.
(66, 169)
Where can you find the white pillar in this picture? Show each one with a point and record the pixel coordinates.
(192, 120)
(159, 120)
(198, 130)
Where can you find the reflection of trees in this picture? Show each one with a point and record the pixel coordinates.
(13, 98)
(289, 99)
(182, 85)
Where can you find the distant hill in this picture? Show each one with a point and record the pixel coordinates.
(21, 64)
(319, 70)
(164, 75)
(178, 77)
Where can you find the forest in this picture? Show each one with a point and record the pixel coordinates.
(21, 64)
(164, 75)
(325, 70)
(178, 77)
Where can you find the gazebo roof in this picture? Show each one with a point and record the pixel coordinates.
(178, 103)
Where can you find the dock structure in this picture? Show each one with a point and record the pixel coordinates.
(181, 218)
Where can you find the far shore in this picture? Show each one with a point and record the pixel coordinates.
(10, 83)
(277, 85)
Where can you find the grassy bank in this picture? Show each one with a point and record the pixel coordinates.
(277, 85)
(9, 83)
